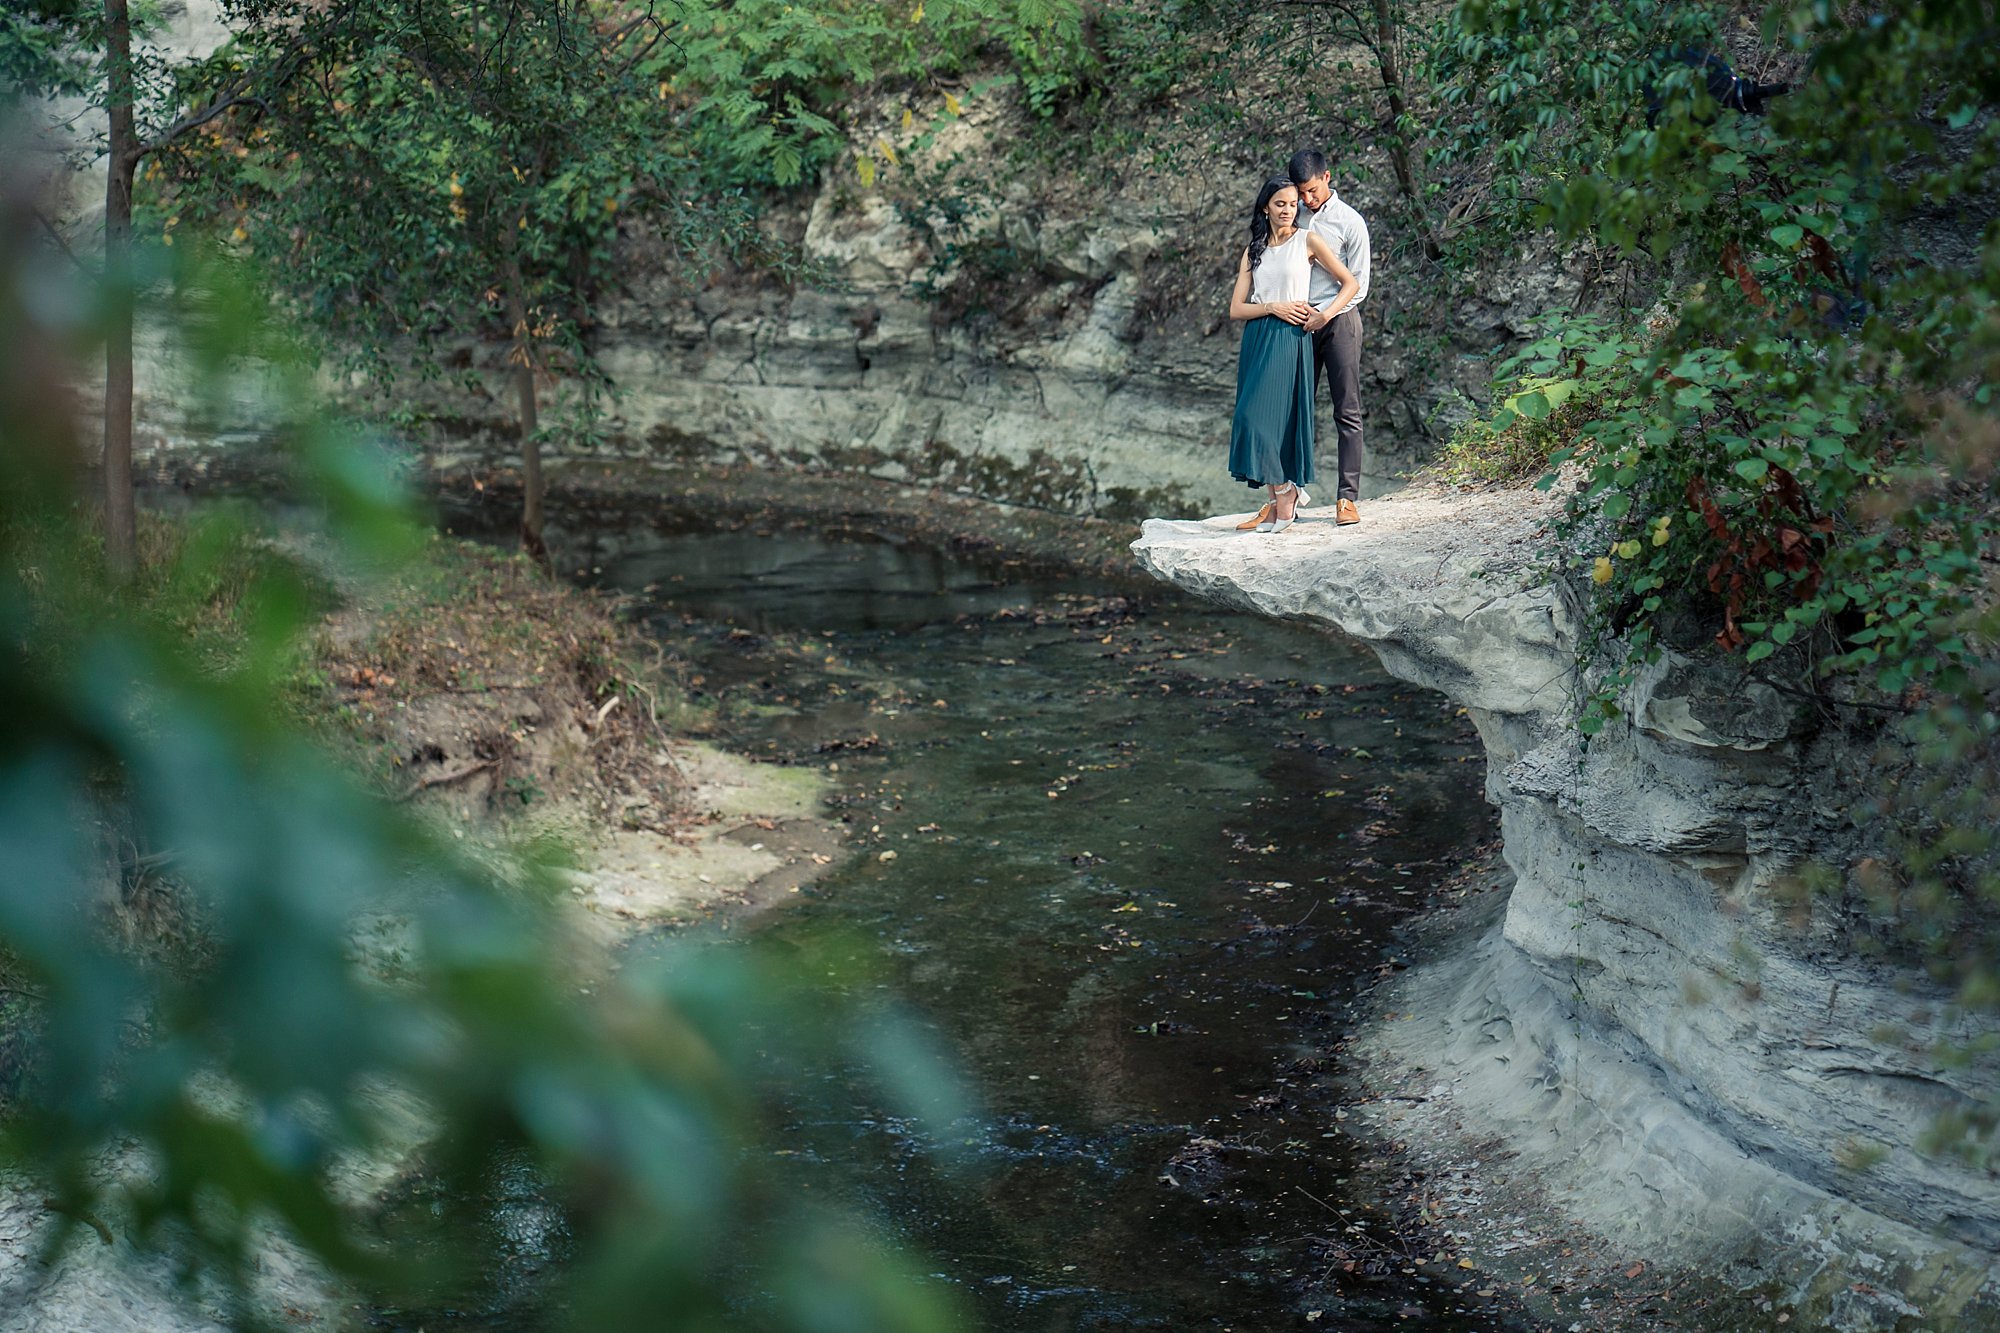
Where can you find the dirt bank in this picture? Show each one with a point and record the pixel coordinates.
(523, 715)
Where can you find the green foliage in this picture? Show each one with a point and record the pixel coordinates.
(59, 49)
(207, 582)
(761, 80)
(1743, 482)
(1790, 452)
(46, 45)
(1767, 452)
(975, 268)
(425, 176)
(235, 1076)
(1536, 100)
(1045, 39)
(433, 172)
(767, 84)
(1543, 416)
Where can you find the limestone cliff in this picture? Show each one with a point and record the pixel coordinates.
(1089, 370)
(1061, 343)
(1677, 1039)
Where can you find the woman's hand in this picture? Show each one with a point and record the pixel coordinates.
(1292, 312)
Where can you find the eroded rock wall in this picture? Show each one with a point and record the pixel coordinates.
(1064, 345)
(1680, 1038)
(863, 374)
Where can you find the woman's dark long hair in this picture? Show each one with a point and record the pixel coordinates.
(1260, 225)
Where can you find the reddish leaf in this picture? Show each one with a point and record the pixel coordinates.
(1822, 258)
(1738, 268)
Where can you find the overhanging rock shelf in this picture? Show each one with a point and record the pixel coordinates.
(1675, 1038)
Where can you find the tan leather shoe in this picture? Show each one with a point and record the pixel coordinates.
(1263, 515)
(1345, 513)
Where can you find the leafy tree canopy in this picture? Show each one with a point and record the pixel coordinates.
(426, 175)
(1784, 436)
(46, 45)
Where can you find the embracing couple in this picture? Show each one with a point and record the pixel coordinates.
(1299, 287)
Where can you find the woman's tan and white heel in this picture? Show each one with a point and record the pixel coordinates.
(1257, 520)
(1280, 520)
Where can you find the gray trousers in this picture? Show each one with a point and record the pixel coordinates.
(1337, 359)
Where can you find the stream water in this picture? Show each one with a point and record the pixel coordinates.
(1147, 854)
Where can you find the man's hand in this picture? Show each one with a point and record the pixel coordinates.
(1293, 312)
(1318, 320)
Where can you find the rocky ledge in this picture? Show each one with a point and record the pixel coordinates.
(1675, 1040)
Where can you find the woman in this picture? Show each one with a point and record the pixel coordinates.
(1271, 439)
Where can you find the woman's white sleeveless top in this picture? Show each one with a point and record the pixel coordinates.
(1284, 273)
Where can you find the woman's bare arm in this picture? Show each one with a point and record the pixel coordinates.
(1239, 300)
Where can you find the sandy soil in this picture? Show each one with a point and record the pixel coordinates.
(748, 836)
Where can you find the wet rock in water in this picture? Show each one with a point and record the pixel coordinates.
(1197, 1166)
(1202, 1167)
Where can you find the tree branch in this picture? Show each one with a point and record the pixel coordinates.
(89, 1219)
(1358, 30)
(235, 94)
(661, 32)
(57, 237)
(194, 120)
(445, 778)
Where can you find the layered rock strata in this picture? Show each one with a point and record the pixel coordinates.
(1676, 1036)
(1084, 366)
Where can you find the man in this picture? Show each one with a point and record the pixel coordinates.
(1336, 341)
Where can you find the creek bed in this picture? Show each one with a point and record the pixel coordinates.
(1148, 856)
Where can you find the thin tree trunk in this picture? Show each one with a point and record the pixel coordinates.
(120, 521)
(531, 463)
(522, 357)
(1399, 148)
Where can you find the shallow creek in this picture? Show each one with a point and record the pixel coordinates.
(1146, 854)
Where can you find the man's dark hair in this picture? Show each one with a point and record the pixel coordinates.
(1306, 164)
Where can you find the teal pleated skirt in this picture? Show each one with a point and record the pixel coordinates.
(1271, 438)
